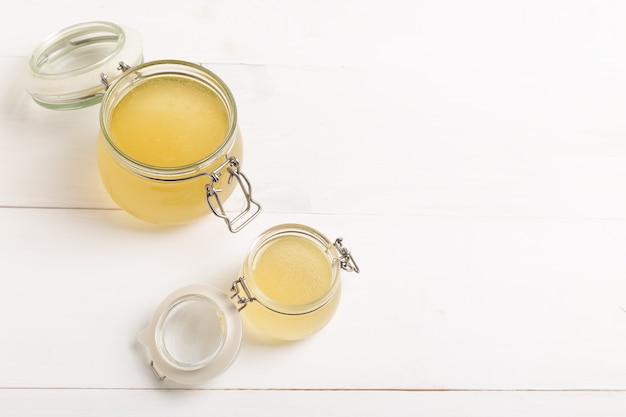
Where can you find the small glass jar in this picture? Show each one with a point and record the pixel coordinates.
(289, 288)
(290, 282)
(161, 180)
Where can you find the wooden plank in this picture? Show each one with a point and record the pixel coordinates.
(265, 32)
(441, 303)
(71, 402)
(308, 149)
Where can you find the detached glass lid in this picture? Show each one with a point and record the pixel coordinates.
(194, 335)
(70, 68)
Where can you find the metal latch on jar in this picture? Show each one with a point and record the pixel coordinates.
(346, 260)
(251, 209)
(104, 77)
(242, 301)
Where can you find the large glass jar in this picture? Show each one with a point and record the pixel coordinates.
(178, 122)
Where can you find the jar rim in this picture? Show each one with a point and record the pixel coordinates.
(168, 67)
(312, 235)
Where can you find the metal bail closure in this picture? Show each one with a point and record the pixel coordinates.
(251, 209)
(242, 301)
(104, 77)
(346, 261)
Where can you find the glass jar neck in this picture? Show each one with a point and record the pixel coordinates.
(134, 77)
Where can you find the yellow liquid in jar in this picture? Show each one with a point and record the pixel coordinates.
(166, 122)
(291, 271)
(169, 122)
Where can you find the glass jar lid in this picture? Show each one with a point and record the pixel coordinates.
(66, 70)
(194, 334)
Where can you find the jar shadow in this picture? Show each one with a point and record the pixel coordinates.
(120, 219)
(254, 337)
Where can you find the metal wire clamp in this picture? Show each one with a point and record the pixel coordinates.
(346, 260)
(251, 209)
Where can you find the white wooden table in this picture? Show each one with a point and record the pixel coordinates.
(471, 154)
